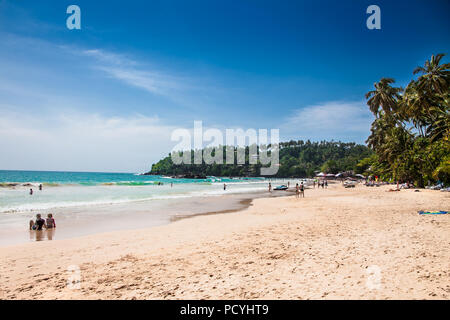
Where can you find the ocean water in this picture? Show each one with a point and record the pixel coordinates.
(88, 203)
(73, 189)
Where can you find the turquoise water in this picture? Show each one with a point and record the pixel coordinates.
(95, 178)
(73, 189)
(88, 202)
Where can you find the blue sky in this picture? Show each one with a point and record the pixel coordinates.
(107, 97)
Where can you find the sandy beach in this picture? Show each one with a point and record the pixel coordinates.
(336, 243)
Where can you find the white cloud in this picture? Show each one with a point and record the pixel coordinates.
(149, 81)
(109, 57)
(81, 142)
(346, 121)
(133, 73)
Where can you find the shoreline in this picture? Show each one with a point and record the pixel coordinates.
(319, 247)
(84, 220)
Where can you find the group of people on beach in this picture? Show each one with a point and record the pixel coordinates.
(299, 190)
(40, 223)
(321, 183)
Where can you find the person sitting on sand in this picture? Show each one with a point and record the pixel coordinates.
(50, 222)
(39, 222)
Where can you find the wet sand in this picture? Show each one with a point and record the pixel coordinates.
(87, 220)
(361, 243)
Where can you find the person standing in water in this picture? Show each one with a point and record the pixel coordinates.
(224, 187)
(40, 223)
(40, 187)
(31, 192)
(50, 222)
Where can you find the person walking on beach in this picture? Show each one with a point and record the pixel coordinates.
(326, 184)
(314, 183)
(302, 189)
(297, 191)
(270, 187)
(224, 187)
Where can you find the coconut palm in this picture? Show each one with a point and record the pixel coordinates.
(440, 125)
(417, 107)
(426, 100)
(435, 76)
(380, 127)
(384, 96)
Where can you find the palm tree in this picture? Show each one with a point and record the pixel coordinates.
(426, 100)
(384, 96)
(440, 125)
(435, 76)
(416, 107)
(380, 127)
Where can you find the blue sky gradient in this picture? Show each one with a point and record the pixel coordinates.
(143, 68)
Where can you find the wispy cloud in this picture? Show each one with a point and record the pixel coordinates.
(338, 120)
(135, 73)
(149, 81)
(109, 57)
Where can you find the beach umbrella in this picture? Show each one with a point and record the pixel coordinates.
(360, 175)
(320, 174)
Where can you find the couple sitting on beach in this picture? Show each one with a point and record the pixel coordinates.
(48, 223)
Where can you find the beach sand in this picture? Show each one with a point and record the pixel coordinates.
(361, 243)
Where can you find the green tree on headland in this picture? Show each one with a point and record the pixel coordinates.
(297, 159)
